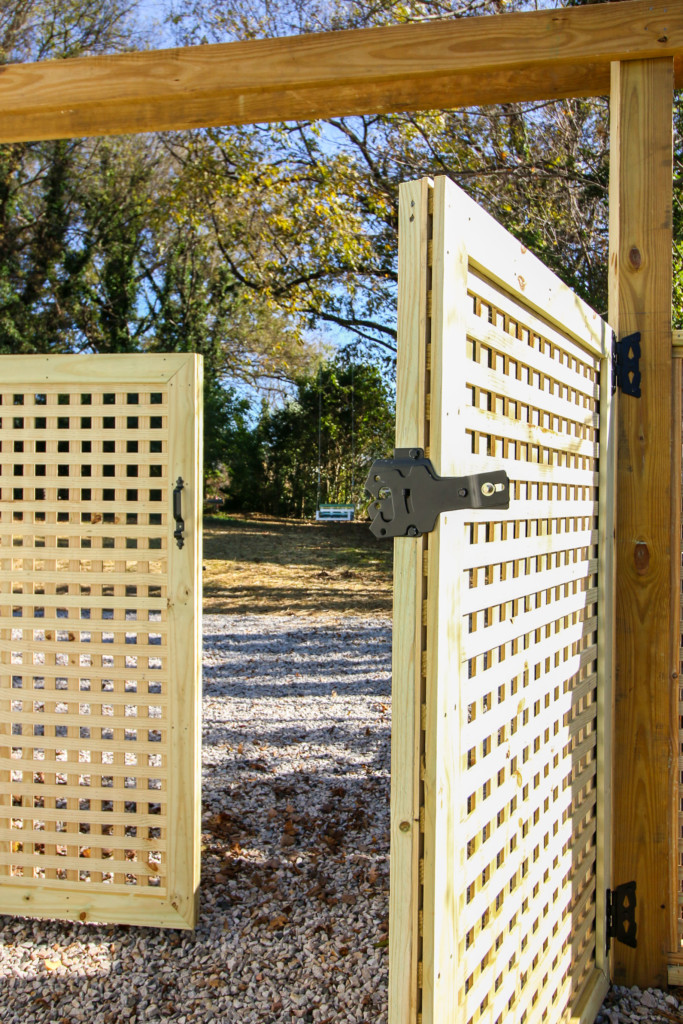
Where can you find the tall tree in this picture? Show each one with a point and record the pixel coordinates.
(42, 253)
(318, 446)
(325, 244)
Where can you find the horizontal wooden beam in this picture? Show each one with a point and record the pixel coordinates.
(547, 54)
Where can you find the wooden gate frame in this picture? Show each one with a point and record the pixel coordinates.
(631, 50)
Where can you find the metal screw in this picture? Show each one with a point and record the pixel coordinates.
(412, 531)
(462, 492)
(415, 453)
(487, 489)
(404, 826)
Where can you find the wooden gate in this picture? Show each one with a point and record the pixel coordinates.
(99, 638)
(502, 653)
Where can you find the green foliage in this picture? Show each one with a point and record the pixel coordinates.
(225, 420)
(325, 245)
(318, 447)
(236, 242)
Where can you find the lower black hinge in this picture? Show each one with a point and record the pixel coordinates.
(621, 915)
(626, 365)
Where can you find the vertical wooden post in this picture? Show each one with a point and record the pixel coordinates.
(646, 665)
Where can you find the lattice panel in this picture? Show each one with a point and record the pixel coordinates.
(91, 687)
(83, 637)
(529, 599)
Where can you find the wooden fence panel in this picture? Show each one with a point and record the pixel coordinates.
(99, 638)
(508, 766)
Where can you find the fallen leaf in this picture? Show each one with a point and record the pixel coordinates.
(277, 923)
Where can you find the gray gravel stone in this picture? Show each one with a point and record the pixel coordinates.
(294, 913)
(631, 1005)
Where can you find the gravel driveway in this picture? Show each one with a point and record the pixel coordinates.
(295, 879)
(293, 921)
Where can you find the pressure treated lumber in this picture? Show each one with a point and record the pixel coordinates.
(646, 664)
(408, 644)
(100, 745)
(524, 56)
(517, 641)
(675, 838)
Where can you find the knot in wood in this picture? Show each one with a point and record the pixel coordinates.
(641, 557)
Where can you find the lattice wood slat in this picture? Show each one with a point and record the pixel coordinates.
(99, 800)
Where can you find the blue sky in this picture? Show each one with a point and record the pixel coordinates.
(153, 12)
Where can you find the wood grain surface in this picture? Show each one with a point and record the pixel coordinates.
(640, 300)
(524, 56)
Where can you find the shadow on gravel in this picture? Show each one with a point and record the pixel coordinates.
(279, 693)
(303, 661)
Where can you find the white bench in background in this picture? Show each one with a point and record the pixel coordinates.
(335, 513)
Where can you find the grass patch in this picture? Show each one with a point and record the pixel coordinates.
(268, 565)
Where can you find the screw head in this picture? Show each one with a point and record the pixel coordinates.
(462, 492)
(404, 826)
(415, 453)
(412, 531)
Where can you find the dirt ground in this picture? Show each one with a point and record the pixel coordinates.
(260, 564)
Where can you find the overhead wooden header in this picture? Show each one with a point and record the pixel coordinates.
(440, 64)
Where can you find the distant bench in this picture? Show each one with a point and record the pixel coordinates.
(213, 504)
(335, 513)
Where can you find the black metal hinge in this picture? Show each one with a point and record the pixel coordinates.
(626, 365)
(621, 914)
(409, 494)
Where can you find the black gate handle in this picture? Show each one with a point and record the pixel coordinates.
(177, 513)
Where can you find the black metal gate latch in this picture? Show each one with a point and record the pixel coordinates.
(409, 494)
